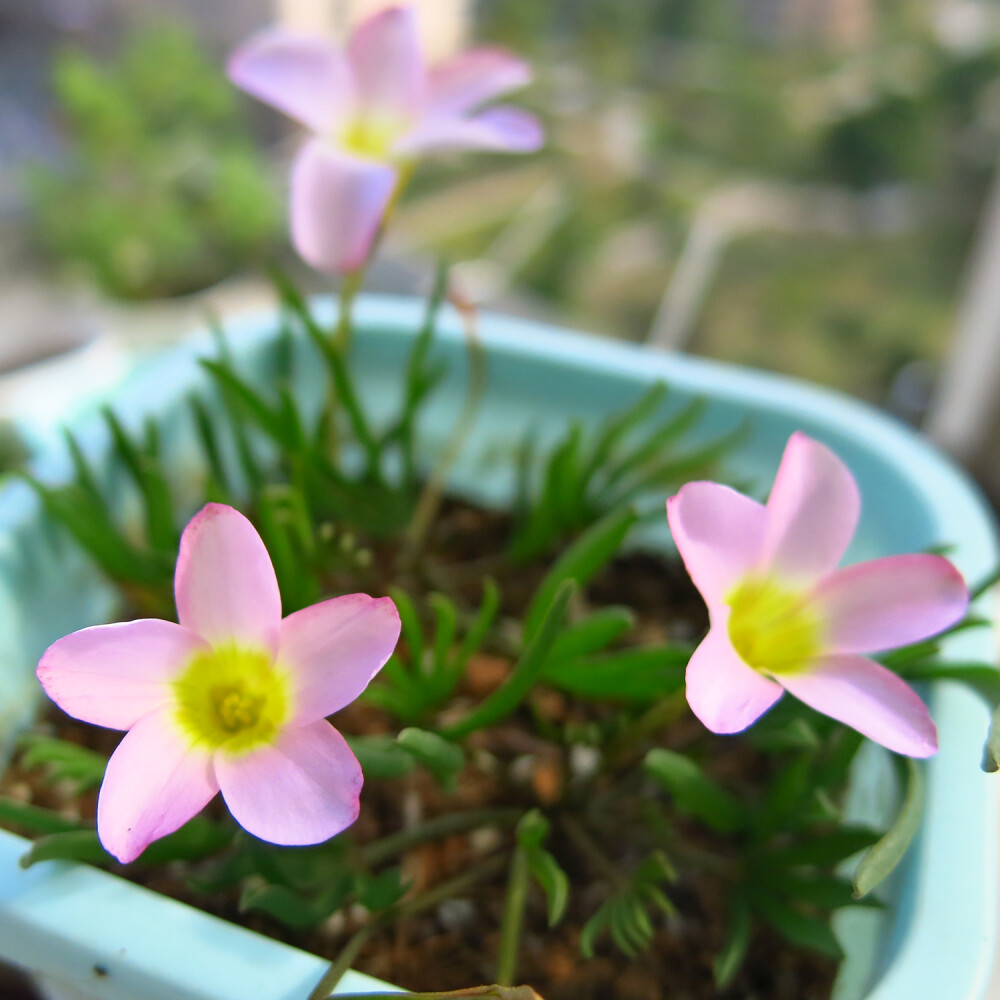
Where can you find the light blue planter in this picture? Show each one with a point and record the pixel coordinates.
(90, 935)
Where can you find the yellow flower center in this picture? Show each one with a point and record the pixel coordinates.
(232, 698)
(775, 630)
(370, 136)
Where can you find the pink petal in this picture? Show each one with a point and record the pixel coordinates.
(387, 63)
(869, 698)
(307, 78)
(718, 533)
(812, 511)
(334, 649)
(303, 790)
(338, 202)
(726, 694)
(224, 584)
(503, 129)
(113, 675)
(458, 85)
(155, 782)
(890, 602)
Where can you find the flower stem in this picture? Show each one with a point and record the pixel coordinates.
(588, 847)
(513, 917)
(440, 826)
(445, 890)
(666, 711)
(345, 319)
(433, 491)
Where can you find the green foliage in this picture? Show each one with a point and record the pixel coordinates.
(64, 761)
(441, 757)
(164, 193)
(532, 832)
(586, 474)
(625, 914)
(422, 677)
(198, 838)
(579, 562)
(693, 792)
(526, 672)
(885, 856)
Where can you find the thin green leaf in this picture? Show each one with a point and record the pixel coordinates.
(694, 792)
(508, 696)
(441, 757)
(35, 818)
(71, 845)
(380, 756)
(884, 856)
(580, 562)
(730, 959)
(639, 674)
(798, 928)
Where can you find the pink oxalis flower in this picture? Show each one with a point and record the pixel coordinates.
(784, 618)
(234, 697)
(374, 109)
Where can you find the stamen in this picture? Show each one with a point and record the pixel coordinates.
(232, 698)
(774, 629)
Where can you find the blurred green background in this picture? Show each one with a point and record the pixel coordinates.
(790, 184)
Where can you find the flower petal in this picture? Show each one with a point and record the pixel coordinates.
(812, 511)
(504, 129)
(302, 790)
(113, 675)
(458, 85)
(726, 694)
(155, 782)
(333, 649)
(388, 64)
(338, 202)
(718, 533)
(890, 602)
(869, 698)
(305, 77)
(224, 584)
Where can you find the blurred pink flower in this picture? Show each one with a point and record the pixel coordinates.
(783, 617)
(232, 698)
(374, 108)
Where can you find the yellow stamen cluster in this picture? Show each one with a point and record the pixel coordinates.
(370, 136)
(232, 698)
(775, 630)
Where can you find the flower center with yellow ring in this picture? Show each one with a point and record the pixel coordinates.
(774, 629)
(233, 698)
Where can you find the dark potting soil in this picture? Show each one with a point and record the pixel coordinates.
(520, 764)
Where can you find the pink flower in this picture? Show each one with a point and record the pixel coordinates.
(233, 698)
(374, 108)
(783, 617)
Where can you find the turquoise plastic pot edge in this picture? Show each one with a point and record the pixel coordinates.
(943, 936)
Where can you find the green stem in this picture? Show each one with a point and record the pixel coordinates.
(588, 847)
(446, 890)
(433, 829)
(348, 293)
(354, 280)
(513, 917)
(430, 496)
(664, 713)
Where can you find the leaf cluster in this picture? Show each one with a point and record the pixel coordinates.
(585, 474)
